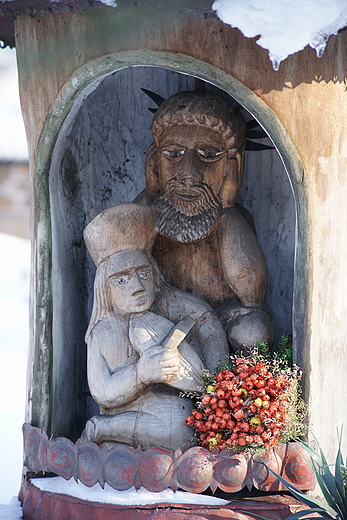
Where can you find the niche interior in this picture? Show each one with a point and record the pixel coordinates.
(98, 162)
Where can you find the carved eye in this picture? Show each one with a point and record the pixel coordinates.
(173, 153)
(120, 280)
(208, 155)
(145, 274)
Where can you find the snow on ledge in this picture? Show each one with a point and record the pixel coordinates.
(285, 26)
(131, 497)
(111, 3)
(12, 511)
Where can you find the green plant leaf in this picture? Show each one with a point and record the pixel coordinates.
(328, 482)
(340, 470)
(338, 473)
(325, 479)
(333, 486)
(305, 499)
(309, 511)
(329, 490)
(313, 454)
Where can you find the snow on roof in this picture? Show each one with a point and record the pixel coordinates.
(285, 26)
(13, 143)
(111, 3)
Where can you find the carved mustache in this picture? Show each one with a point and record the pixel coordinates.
(174, 183)
(190, 198)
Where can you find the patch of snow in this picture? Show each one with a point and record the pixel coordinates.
(13, 511)
(14, 338)
(13, 142)
(111, 3)
(285, 26)
(131, 497)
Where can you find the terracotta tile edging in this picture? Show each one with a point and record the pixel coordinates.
(156, 469)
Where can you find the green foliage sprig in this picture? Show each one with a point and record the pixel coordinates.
(333, 486)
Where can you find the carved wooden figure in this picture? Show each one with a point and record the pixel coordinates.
(205, 245)
(146, 340)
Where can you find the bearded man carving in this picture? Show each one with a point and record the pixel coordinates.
(206, 245)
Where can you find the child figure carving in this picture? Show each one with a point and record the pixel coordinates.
(147, 340)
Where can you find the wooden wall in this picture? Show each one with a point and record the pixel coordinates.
(302, 107)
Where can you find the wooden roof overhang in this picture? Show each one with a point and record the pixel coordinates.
(11, 9)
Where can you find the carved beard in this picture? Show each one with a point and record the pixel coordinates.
(187, 213)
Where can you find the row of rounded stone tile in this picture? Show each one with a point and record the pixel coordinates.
(156, 469)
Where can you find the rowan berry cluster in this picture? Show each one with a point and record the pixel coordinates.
(247, 406)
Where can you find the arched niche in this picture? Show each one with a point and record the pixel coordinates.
(90, 157)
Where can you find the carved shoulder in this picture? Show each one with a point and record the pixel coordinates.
(109, 340)
(174, 304)
(242, 259)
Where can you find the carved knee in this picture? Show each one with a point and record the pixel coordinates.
(246, 330)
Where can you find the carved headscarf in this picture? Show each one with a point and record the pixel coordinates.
(120, 228)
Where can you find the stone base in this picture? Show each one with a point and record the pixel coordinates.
(39, 505)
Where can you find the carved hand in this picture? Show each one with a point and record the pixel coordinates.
(157, 365)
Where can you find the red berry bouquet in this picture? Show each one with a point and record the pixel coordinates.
(254, 402)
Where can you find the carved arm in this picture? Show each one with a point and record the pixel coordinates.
(242, 259)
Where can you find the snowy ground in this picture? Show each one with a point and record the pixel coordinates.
(14, 296)
(13, 143)
(11, 511)
(131, 497)
(14, 289)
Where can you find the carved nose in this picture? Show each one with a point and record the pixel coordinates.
(137, 286)
(189, 172)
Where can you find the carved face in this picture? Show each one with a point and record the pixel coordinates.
(192, 164)
(131, 284)
(198, 141)
(192, 155)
